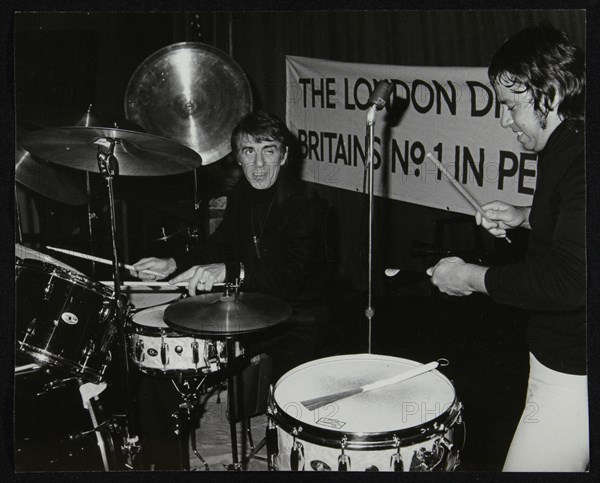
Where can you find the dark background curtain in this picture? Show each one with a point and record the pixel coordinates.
(69, 60)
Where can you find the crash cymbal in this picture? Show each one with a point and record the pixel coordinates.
(138, 154)
(215, 314)
(192, 93)
(56, 182)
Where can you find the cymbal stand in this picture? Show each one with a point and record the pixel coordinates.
(91, 216)
(18, 218)
(232, 391)
(188, 411)
(109, 168)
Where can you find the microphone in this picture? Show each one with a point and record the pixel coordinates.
(381, 94)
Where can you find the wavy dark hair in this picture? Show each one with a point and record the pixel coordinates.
(542, 60)
(261, 126)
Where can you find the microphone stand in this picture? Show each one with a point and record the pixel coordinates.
(369, 311)
(109, 167)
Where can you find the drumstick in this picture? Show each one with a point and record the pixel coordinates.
(462, 190)
(312, 404)
(101, 260)
(152, 283)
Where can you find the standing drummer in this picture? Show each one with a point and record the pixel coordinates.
(539, 79)
(272, 237)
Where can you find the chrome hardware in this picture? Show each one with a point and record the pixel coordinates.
(344, 463)
(396, 462)
(140, 355)
(297, 453)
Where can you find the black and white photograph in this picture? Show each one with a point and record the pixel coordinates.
(299, 240)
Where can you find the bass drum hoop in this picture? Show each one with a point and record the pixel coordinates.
(61, 363)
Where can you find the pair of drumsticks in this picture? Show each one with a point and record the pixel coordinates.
(124, 265)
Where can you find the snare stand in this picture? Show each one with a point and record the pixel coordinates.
(188, 411)
(109, 167)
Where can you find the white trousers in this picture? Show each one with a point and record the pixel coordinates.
(553, 432)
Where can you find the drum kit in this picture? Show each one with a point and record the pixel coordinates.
(70, 324)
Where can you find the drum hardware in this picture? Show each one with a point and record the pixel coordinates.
(343, 459)
(297, 452)
(396, 462)
(228, 315)
(18, 222)
(189, 410)
(102, 426)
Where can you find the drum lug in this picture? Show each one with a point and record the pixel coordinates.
(396, 463)
(105, 311)
(140, 355)
(86, 353)
(195, 353)
(164, 353)
(271, 441)
(297, 453)
(29, 331)
(49, 288)
(344, 463)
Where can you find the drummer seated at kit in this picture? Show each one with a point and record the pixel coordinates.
(272, 238)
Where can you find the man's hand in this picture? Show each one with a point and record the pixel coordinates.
(202, 276)
(503, 217)
(164, 266)
(455, 277)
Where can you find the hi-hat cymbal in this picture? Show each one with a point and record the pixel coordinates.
(192, 93)
(56, 182)
(138, 154)
(216, 315)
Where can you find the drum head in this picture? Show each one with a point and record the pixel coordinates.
(147, 296)
(397, 407)
(152, 317)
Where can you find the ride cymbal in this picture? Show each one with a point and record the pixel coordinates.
(192, 93)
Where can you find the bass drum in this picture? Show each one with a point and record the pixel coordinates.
(414, 425)
(64, 319)
(61, 425)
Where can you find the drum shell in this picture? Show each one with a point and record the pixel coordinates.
(63, 318)
(439, 439)
(159, 350)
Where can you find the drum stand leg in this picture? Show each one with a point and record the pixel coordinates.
(253, 451)
(231, 403)
(188, 411)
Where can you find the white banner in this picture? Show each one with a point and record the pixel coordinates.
(448, 111)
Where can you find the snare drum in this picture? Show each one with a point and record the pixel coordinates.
(64, 318)
(414, 425)
(159, 350)
(146, 296)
